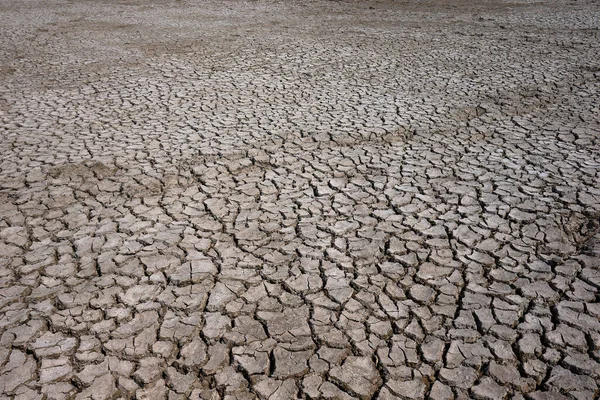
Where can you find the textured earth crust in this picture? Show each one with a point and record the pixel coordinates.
(299, 199)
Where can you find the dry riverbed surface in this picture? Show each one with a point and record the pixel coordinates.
(311, 199)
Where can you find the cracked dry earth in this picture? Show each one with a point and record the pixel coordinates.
(315, 200)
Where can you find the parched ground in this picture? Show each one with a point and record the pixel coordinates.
(312, 199)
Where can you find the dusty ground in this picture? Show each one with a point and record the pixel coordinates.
(316, 199)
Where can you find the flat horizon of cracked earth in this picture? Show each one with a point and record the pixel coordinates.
(262, 199)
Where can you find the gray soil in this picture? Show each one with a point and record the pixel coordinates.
(312, 199)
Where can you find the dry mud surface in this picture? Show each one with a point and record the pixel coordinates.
(315, 200)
